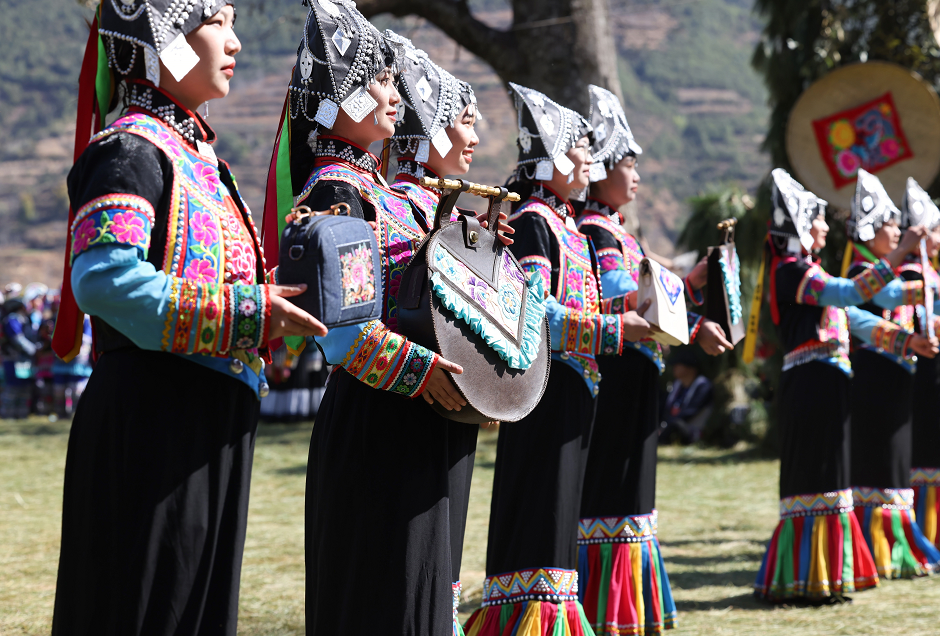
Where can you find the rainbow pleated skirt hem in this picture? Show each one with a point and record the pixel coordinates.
(624, 588)
(926, 485)
(897, 544)
(530, 602)
(817, 551)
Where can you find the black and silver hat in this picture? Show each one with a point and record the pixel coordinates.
(547, 131)
(871, 208)
(338, 58)
(613, 139)
(432, 99)
(795, 207)
(157, 29)
(917, 208)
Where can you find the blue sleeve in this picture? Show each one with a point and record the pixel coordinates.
(617, 282)
(862, 323)
(819, 288)
(338, 341)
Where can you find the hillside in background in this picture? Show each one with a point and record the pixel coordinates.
(691, 97)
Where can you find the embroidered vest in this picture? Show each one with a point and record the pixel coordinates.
(577, 287)
(632, 255)
(208, 239)
(399, 232)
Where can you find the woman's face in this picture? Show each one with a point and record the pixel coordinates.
(621, 185)
(216, 44)
(580, 156)
(380, 123)
(464, 139)
(819, 231)
(886, 239)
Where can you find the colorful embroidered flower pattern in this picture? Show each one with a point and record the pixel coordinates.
(356, 272)
(123, 219)
(201, 271)
(129, 228)
(204, 228)
(207, 176)
(83, 236)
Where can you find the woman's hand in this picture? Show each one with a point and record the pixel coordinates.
(909, 242)
(634, 325)
(711, 338)
(504, 228)
(699, 274)
(441, 390)
(927, 347)
(286, 318)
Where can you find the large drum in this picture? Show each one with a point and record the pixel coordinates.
(465, 296)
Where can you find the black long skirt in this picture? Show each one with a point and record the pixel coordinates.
(926, 415)
(881, 422)
(378, 538)
(814, 424)
(621, 471)
(156, 499)
(462, 448)
(538, 478)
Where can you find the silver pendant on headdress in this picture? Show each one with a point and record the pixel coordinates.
(152, 65)
(525, 140)
(327, 112)
(340, 41)
(424, 151)
(359, 104)
(306, 64)
(424, 89)
(442, 142)
(547, 123)
(544, 171)
(179, 57)
(329, 7)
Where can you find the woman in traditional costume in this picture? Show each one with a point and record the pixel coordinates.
(622, 580)
(531, 563)
(163, 255)
(917, 208)
(882, 398)
(817, 552)
(435, 138)
(377, 506)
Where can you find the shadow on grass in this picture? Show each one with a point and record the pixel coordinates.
(299, 469)
(741, 602)
(684, 542)
(694, 580)
(38, 429)
(707, 457)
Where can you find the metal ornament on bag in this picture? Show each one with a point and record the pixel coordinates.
(723, 290)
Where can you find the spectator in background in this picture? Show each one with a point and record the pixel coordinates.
(689, 403)
(18, 345)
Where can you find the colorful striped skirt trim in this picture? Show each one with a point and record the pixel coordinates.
(899, 547)
(530, 602)
(458, 628)
(625, 589)
(926, 482)
(817, 551)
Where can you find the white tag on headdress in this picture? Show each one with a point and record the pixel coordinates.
(564, 164)
(600, 133)
(424, 151)
(359, 104)
(544, 171)
(793, 245)
(442, 142)
(179, 58)
(327, 112)
(329, 7)
(598, 172)
(424, 89)
(866, 233)
(152, 64)
(807, 241)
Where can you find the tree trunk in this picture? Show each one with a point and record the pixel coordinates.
(554, 46)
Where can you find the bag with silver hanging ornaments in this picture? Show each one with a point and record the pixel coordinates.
(465, 296)
(337, 256)
(723, 291)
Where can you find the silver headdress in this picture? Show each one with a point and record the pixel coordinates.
(432, 99)
(158, 28)
(871, 208)
(547, 131)
(613, 139)
(795, 208)
(917, 208)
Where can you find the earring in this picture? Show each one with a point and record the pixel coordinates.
(206, 116)
(375, 118)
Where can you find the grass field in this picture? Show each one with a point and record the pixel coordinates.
(717, 509)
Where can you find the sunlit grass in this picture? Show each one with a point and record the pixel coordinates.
(717, 510)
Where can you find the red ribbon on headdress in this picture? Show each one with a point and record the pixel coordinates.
(67, 338)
